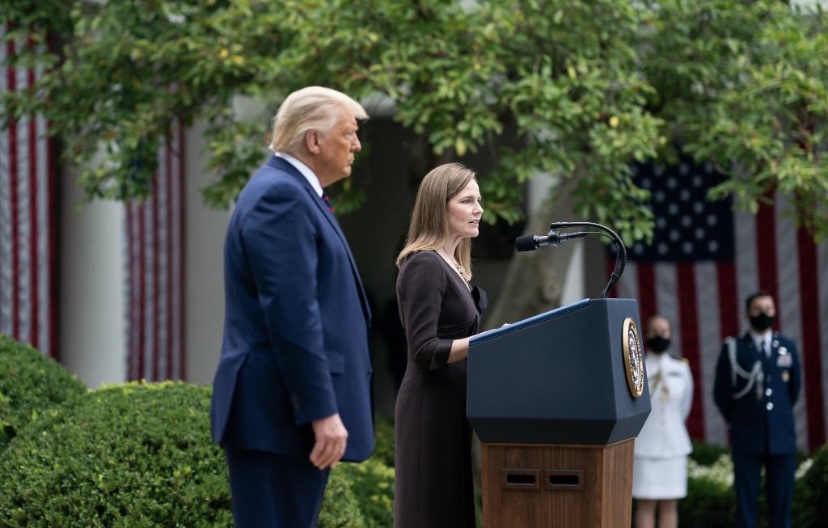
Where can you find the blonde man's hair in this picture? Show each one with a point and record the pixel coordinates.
(429, 225)
(311, 108)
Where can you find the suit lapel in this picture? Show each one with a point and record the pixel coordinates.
(283, 165)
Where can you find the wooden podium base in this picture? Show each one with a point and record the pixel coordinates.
(557, 486)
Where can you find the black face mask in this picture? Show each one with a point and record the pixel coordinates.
(761, 322)
(658, 344)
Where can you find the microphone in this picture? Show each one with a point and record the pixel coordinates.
(553, 238)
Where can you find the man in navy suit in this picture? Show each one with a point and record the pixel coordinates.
(757, 384)
(292, 392)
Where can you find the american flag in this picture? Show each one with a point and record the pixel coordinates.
(27, 215)
(704, 261)
(154, 259)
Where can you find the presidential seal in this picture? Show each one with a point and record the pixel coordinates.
(633, 358)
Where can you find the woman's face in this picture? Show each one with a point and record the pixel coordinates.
(464, 212)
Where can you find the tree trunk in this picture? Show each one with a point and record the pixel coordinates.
(535, 279)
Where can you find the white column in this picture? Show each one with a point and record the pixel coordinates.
(204, 230)
(90, 284)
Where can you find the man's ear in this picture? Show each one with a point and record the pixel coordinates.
(312, 141)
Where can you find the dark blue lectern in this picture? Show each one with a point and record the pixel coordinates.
(557, 401)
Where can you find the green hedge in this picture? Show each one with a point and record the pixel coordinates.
(30, 383)
(362, 495)
(706, 454)
(811, 495)
(341, 508)
(372, 483)
(711, 500)
(140, 455)
(135, 455)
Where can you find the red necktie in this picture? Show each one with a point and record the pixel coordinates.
(327, 201)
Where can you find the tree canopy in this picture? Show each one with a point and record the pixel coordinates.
(574, 88)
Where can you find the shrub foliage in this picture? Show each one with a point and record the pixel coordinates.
(811, 494)
(707, 454)
(341, 507)
(711, 499)
(30, 383)
(140, 455)
(372, 483)
(136, 455)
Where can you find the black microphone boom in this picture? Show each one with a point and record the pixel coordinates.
(554, 238)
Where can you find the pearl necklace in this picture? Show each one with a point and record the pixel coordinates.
(456, 265)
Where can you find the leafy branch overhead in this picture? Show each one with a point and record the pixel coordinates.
(573, 88)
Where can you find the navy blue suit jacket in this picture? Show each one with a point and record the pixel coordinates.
(761, 419)
(295, 346)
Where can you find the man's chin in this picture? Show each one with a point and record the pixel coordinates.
(341, 176)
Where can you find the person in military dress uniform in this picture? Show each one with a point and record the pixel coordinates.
(757, 384)
(662, 446)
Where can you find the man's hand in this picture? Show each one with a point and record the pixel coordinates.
(331, 438)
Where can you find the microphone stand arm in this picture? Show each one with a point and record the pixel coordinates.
(621, 251)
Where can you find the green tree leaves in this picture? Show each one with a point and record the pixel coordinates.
(573, 88)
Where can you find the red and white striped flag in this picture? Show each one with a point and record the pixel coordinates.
(155, 272)
(704, 261)
(27, 216)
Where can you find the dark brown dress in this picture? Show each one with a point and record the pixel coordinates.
(433, 486)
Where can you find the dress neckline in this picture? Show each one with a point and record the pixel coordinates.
(454, 269)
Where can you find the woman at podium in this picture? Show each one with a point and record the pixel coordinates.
(439, 309)
(661, 449)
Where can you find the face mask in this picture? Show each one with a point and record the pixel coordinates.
(658, 344)
(761, 322)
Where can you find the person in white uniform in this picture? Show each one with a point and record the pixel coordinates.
(662, 447)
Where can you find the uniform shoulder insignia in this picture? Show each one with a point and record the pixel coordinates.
(680, 358)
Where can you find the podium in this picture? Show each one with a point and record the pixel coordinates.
(557, 401)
